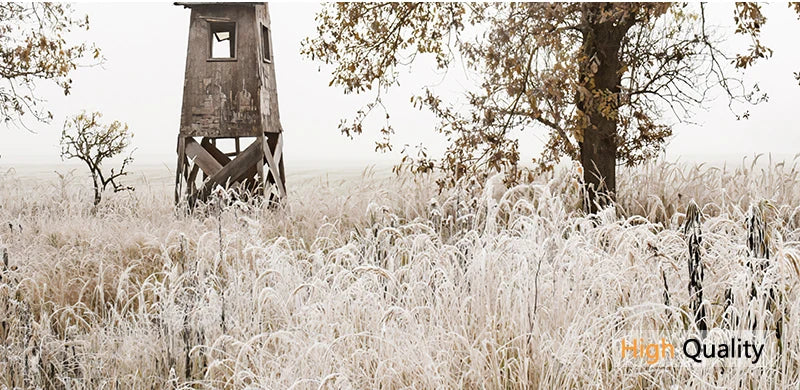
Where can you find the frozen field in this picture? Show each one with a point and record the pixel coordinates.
(366, 280)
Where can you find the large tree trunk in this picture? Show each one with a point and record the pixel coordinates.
(599, 158)
(601, 76)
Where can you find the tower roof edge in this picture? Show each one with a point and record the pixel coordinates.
(192, 4)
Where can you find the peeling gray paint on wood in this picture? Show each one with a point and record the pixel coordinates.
(268, 88)
(229, 97)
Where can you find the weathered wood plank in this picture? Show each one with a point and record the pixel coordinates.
(211, 148)
(193, 174)
(273, 167)
(179, 170)
(238, 168)
(279, 148)
(262, 180)
(279, 158)
(202, 158)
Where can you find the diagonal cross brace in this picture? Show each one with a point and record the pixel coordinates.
(202, 157)
(237, 169)
(272, 162)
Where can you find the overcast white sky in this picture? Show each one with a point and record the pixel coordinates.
(141, 84)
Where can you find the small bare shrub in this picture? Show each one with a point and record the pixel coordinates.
(86, 139)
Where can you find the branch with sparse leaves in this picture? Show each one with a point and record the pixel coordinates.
(34, 48)
(537, 65)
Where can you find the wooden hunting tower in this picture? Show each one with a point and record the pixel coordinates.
(230, 102)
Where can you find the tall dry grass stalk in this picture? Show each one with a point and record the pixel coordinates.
(762, 290)
(692, 228)
(369, 283)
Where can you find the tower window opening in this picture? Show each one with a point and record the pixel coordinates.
(266, 46)
(223, 40)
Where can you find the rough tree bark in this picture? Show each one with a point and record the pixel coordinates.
(601, 74)
(97, 190)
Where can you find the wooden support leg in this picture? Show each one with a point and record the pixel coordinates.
(192, 179)
(273, 154)
(179, 168)
(261, 181)
(280, 167)
(279, 159)
(247, 169)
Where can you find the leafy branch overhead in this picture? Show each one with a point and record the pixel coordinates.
(624, 71)
(86, 139)
(33, 48)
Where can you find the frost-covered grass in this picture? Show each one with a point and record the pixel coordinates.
(386, 283)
